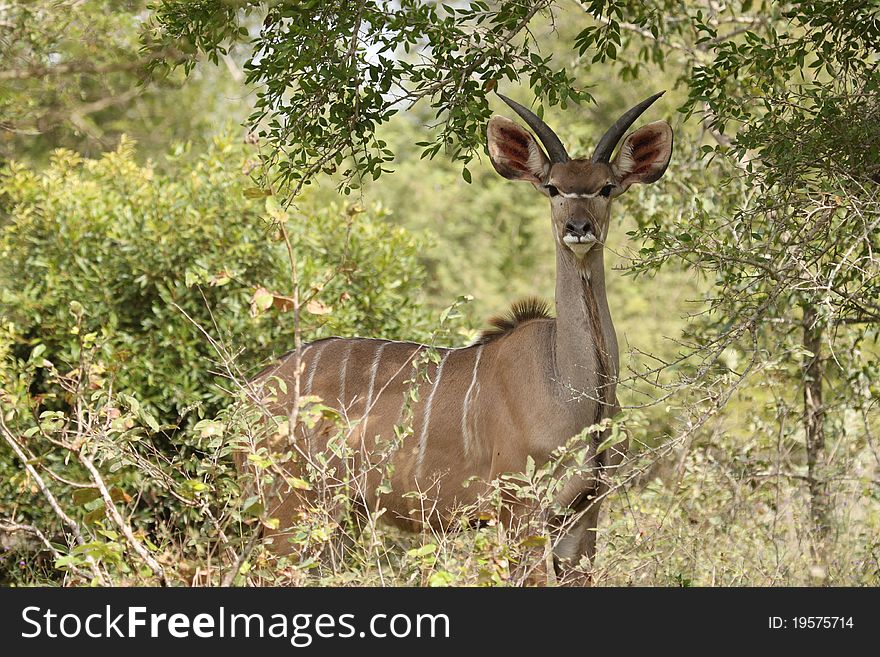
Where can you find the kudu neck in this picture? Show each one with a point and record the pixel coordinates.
(586, 344)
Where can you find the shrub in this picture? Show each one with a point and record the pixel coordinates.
(107, 252)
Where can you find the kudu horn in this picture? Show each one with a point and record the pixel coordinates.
(551, 142)
(609, 140)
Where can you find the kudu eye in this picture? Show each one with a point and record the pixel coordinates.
(606, 190)
(551, 190)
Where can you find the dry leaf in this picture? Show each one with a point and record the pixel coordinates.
(317, 307)
(282, 303)
(261, 301)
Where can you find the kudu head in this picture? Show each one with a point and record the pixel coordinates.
(581, 190)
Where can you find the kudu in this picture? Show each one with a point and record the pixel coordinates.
(523, 388)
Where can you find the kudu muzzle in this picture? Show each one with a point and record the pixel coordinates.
(580, 231)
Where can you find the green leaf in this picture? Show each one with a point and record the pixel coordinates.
(195, 276)
(534, 541)
(151, 421)
(82, 496)
(423, 551)
(617, 436)
(209, 428)
(297, 483)
(441, 578)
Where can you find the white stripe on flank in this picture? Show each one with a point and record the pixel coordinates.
(373, 372)
(342, 371)
(423, 439)
(314, 366)
(465, 425)
(302, 361)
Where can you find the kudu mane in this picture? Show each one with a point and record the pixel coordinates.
(522, 311)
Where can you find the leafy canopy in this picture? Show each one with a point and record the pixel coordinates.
(328, 75)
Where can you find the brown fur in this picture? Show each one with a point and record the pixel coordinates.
(580, 177)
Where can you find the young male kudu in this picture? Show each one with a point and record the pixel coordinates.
(525, 387)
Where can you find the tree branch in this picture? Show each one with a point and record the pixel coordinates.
(66, 519)
(119, 520)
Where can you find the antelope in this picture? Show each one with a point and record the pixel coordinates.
(525, 386)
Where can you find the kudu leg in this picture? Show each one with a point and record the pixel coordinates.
(520, 522)
(579, 539)
(556, 562)
(575, 550)
(585, 496)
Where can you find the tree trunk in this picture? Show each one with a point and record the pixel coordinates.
(814, 423)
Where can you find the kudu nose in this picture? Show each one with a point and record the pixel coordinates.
(578, 228)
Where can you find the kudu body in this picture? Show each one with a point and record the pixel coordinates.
(524, 388)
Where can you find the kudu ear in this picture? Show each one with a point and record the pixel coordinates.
(515, 154)
(643, 157)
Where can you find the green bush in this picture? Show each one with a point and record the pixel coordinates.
(108, 253)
